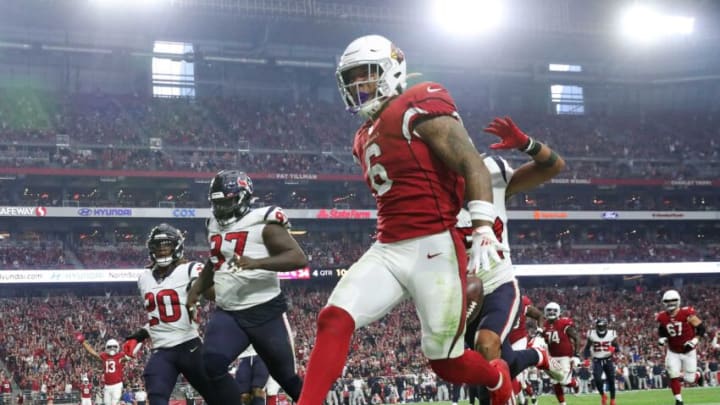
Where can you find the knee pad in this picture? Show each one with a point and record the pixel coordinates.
(216, 365)
(690, 378)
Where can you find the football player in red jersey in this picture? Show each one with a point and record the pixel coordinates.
(679, 328)
(86, 389)
(562, 340)
(420, 165)
(113, 360)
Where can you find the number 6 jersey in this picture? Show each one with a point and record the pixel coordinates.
(168, 321)
(236, 289)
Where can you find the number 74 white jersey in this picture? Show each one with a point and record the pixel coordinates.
(169, 323)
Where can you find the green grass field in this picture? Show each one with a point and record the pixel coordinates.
(691, 396)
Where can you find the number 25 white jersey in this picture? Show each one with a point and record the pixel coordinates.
(168, 321)
(237, 290)
(600, 346)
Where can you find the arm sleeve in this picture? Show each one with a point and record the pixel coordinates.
(433, 100)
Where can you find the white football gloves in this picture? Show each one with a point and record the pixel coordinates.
(484, 252)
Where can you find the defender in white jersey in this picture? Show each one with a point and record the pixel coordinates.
(172, 329)
(247, 249)
(502, 302)
(601, 345)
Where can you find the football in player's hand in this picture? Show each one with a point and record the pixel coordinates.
(474, 296)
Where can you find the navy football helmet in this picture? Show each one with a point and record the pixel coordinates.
(230, 195)
(165, 245)
(601, 326)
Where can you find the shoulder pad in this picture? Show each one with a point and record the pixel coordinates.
(267, 215)
(500, 170)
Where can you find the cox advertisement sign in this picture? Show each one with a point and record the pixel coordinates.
(184, 213)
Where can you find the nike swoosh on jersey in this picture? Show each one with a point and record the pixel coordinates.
(194, 348)
(431, 89)
(430, 256)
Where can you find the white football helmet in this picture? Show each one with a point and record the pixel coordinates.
(671, 300)
(552, 311)
(386, 68)
(112, 347)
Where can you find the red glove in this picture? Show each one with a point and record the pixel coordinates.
(79, 337)
(130, 347)
(512, 136)
(611, 349)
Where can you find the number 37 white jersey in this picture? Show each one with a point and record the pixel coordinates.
(237, 290)
(168, 321)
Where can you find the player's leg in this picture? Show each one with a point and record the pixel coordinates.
(497, 318)
(598, 369)
(259, 378)
(224, 341)
(689, 367)
(366, 293)
(243, 376)
(273, 343)
(673, 366)
(160, 376)
(189, 362)
(433, 269)
(609, 368)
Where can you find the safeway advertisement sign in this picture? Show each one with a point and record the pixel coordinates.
(23, 211)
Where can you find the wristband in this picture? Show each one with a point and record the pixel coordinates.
(532, 148)
(481, 211)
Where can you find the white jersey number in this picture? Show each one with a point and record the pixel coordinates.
(167, 302)
(377, 174)
(237, 238)
(110, 366)
(674, 328)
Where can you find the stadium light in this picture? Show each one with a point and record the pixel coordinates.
(467, 17)
(643, 23)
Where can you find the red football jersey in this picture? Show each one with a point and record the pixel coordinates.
(416, 194)
(113, 371)
(86, 390)
(556, 336)
(6, 386)
(678, 328)
(520, 329)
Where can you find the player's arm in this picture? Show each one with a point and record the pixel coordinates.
(449, 141)
(90, 349)
(699, 326)
(199, 286)
(586, 350)
(715, 343)
(663, 335)
(545, 163)
(532, 312)
(285, 253)
(134, 341)
(574, 337)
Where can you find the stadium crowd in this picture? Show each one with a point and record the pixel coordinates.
(37, 342)
(116, 132)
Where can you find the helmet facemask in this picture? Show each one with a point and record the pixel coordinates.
(671, 300)
(228, 210)
(552, 311)
(230, 196)
(165, 245)
(601, 327)
(374, 63)
(112, 347)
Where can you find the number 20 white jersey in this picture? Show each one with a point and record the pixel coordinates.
(500, 174)
(242, 289)
(168, 321)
